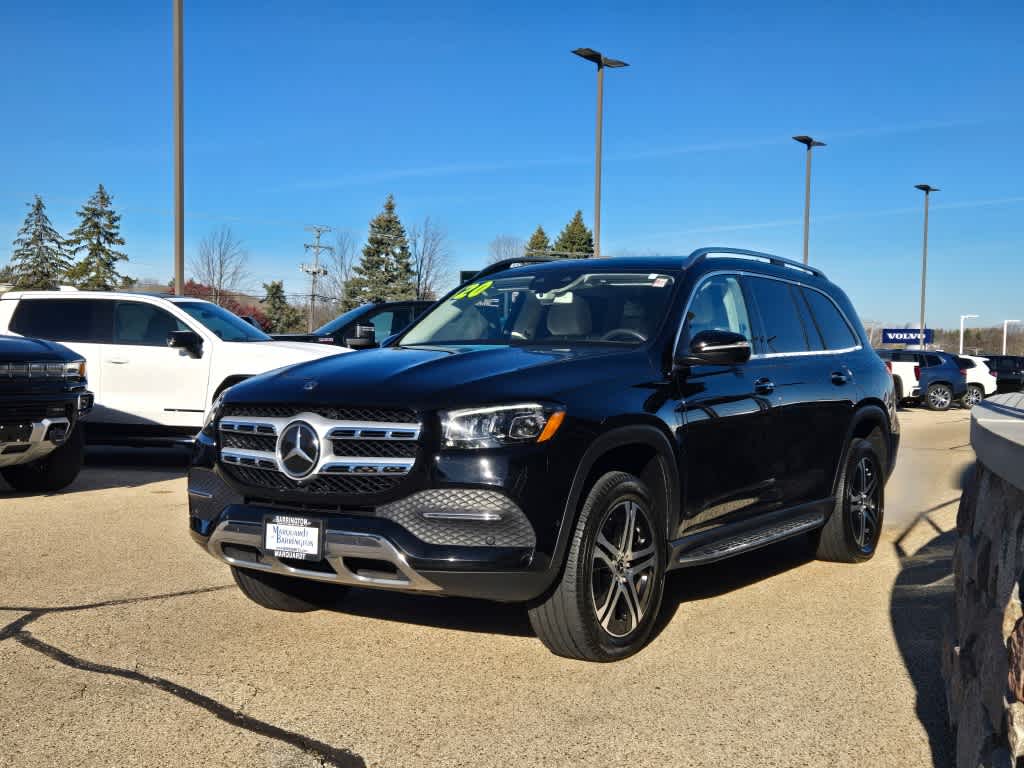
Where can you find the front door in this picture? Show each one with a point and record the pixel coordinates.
(144, 380)
(728, 413)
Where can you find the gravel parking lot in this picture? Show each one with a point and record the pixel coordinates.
(121, 643)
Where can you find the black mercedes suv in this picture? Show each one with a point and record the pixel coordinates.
(43, 394)
(562, 435)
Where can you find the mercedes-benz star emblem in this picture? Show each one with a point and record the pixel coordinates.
(298, 449)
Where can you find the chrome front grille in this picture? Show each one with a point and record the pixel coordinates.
(403, 416)
(352, 456)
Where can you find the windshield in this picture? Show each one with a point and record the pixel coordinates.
(225, 325)
(341, 321)
(570, 305)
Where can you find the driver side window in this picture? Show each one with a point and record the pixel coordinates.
(718, 305)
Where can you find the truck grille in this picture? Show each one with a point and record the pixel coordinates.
(354, 454)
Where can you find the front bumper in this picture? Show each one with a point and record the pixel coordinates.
(466, 542)
(25, 441)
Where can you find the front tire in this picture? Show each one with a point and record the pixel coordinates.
(56, 470)
(939, 397)
(607, 601)
(283, 593)
(852, 531)
(974, 395)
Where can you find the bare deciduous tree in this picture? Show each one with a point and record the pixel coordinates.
(428, 244)
(339, 271)
(222, 264)
(506, 247)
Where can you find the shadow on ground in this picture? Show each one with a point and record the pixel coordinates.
(920, 610)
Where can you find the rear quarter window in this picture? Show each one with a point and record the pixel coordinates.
(83, 320)
(830, 322)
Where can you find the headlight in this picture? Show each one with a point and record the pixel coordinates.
(500, 425)
(74, 369)
(212, 415)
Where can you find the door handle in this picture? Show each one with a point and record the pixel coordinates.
(764, 386)
(118, 362)
(840, 377)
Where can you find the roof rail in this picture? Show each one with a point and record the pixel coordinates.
(498, 266)
(702, 253)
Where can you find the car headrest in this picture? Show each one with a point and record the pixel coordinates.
(570, 318)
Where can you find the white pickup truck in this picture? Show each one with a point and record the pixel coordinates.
(155, 363)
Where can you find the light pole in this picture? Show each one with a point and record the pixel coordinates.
(924, 253)
(962, 318)
(810, 144)
(179, 156)
(601, 61)
(1006, 323)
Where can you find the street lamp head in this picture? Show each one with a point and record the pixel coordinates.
(809, 142)
(595, 56)
(926, 188)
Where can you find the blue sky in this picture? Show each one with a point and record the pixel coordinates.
(476, 114)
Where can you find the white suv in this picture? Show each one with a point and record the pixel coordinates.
(155, 363)
(981, 380)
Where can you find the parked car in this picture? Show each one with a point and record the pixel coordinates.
(935, 379)
(981, 380)
(559, 434)
(385, 318)
(1009, 370)
(43, 394)
(156, 362)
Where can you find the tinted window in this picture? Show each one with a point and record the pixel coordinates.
(383, 323)
(65, 319)
(932, 360)
(718, 305)
(143, 324)
(964, 363)
(340, 321)
(783, 331)
(829, 321)
(815, 340)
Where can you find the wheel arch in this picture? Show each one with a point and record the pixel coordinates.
(869, 417)
(229, 381)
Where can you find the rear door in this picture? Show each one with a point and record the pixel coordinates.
(82, 325)
(145, 381)
(727, 413)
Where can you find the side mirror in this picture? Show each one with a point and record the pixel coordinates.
(365, 338)
(187, 340)
(715, 348)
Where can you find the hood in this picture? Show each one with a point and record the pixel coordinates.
(295, 351)
(18, 349)
(439, 377)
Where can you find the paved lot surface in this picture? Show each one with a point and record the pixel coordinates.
(122, 644)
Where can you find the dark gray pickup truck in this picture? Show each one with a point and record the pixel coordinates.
(43, 394)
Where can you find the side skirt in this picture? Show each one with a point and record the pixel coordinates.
(727, 541)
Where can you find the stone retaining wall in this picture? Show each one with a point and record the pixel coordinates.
(983, 662)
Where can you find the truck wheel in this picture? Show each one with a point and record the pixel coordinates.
(852, 531)
(972, 396)
(938, 397)
(283, 593)
(606, 603)
(54, 471)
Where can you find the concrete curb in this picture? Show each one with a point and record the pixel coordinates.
(997, 434)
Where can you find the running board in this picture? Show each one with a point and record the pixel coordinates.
(746, 541)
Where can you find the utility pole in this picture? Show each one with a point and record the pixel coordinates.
(315, 271)
(179, 151)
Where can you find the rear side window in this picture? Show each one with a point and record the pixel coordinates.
(86, 320)
(964, 363)
(830, 322)
(782, 329)
(932, 360)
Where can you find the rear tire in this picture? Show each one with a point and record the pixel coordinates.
(283, 593)
(606, 603)
(938, 397)
(974, 395)
(56, 470)
(852, 531)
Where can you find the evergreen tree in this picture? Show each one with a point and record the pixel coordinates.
(40, 258)
(281, 316)
(385, 271)
(538, 244)
(575, 241)
(97, 235)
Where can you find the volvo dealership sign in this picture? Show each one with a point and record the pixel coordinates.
(907, 335)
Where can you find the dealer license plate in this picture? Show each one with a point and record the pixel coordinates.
(296, 537)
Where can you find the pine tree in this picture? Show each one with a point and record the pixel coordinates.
(539, 244)
(280, 315)
(385, 271)
(575, 241)
(40, 257)
(96, 235)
